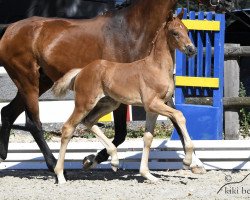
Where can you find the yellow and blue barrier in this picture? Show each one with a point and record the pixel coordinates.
(202, 76)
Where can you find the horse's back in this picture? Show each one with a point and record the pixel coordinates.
(52, 42)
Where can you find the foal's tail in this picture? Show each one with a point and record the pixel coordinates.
(65, 83)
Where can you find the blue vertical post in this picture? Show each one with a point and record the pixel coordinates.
(219, 40)
(191, 61)
(181, 69)
(208, 56)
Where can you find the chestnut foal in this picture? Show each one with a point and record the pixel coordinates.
(147, 82)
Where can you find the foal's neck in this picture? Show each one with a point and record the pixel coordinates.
(161, 52)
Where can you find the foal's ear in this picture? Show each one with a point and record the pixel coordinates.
(180, 15)
(170, 16)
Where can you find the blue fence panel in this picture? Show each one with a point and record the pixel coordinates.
(204, 122)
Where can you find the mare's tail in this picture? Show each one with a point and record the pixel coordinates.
(61, 86)
(3, 28)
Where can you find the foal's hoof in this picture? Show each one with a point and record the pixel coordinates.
(89, 162)
(198, 170)
(115, 165)
(114, 168)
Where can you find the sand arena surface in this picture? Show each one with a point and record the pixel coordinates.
(123, 185)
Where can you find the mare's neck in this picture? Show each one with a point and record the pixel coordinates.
(142, 19)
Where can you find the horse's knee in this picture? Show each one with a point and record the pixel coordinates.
(67, 129)
(179, 117)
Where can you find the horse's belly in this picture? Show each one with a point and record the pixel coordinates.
(125, 96)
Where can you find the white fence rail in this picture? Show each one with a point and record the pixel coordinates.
(164, 155)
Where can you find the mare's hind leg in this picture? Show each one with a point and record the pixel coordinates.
(196, 166)
(148, 138)
(9, 114)
(35, 126)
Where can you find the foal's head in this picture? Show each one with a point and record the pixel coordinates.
(177, 35)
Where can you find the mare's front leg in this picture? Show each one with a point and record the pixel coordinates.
(196, 166)
(148, 138)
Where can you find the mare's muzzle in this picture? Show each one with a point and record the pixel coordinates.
(190, 50)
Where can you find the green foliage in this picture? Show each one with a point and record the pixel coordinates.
(162, 130)
(48, 135)
(244, 115)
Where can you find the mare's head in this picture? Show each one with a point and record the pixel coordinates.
(177, 35)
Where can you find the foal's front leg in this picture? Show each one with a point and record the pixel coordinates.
(148, 138)
(158, 106)
(196, 166)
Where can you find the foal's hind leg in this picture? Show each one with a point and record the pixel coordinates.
(67, 132)
(103, 107)
(196, 166)
(110, 147)
(119, 138)
(9, 114)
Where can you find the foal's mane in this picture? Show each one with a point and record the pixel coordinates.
(156, 36)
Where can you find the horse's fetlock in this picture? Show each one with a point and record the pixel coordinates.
(189, 147)
(148, 138)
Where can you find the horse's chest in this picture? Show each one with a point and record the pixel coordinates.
(161, 85)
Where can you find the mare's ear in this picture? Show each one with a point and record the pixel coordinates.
(170, 16)
(180, 15)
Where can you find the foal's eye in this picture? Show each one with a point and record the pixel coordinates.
(176, 34)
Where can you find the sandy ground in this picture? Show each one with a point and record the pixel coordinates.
(123, 185)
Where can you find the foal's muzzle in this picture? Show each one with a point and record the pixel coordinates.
(190, 50)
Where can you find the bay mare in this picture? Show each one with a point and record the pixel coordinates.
(38, 51)
(147, 82)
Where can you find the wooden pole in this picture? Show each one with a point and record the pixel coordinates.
(231, 89)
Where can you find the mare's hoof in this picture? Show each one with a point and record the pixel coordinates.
(88, 162)
(198, 170)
